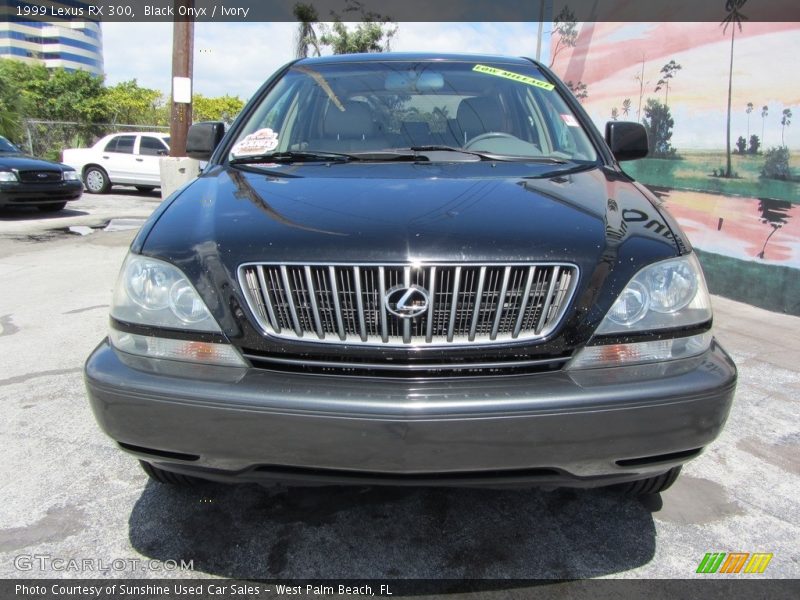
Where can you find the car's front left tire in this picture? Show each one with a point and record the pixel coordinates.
(168, 477)
(96, 180)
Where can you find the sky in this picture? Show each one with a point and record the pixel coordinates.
(236, 58)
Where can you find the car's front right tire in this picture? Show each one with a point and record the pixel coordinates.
(96, 180)
(168, 477)
(651, 485)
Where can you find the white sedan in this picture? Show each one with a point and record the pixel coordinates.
(130, 158)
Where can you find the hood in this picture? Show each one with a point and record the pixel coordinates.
(408, 212)
(23, 162)
(595, 219)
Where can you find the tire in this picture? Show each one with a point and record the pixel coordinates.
(145, 188)
(651, 485)
(55, 207)
(168, 477)
(96, 180)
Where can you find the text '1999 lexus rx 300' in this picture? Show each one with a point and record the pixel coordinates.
(413, 270)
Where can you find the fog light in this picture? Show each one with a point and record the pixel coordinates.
(171, 349)
(616, 355)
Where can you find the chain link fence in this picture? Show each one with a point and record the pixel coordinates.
(47, 139)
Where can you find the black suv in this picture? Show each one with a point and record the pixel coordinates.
(413, 269)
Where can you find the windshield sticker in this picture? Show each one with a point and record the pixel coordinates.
(514, 76)
(570, 121)
(260, 142)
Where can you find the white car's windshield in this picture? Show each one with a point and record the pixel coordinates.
(502, 110)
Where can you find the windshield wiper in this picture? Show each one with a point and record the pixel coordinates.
(293, 156)
(490, 155)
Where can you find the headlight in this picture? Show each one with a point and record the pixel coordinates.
(155, 293)
(70, 176)
(671, 293)
(668, 294)
(8, 176)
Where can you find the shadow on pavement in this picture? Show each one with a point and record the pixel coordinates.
(247, 531)
(23, 213)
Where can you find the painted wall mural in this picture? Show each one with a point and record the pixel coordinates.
(731, 176)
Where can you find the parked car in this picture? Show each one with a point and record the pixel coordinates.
(130, 158)
(29, 181)
(413, 269)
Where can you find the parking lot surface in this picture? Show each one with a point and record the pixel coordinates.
(68, 493)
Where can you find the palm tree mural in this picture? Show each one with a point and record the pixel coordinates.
(764, 113)
(748, 111)
(785, 122)
(306, 16)
(667, 73)
(626, 107)
(735, 18)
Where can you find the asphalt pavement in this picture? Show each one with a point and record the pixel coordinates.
(68, 493)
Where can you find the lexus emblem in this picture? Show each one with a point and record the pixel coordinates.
(42, 175)
(407, 302)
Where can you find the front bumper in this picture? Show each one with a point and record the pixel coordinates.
(573, 428)
(21, 193)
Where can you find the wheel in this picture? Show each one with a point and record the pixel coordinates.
(96, 180)
(168, 477)
(651, 485)
(55, 207)
(145, 188)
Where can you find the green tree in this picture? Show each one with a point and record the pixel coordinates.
(786, 120)
(373, 32)
(741, 145)
(754, 144)
(776, 163)
(667, 73)
(579, 89)
(735, 18)
(748, 110)
(130, 104)
(306, 36)
(224, 108)
(659, 123)
(626, 107)
(10, 109)
(764, 115)
(68, 96)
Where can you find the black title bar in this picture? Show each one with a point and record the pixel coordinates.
(401, 10)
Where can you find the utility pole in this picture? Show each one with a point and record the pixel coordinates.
(182, 50)
(539, 33)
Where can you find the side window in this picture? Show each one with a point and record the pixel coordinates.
(151, 146)
(124, 144)
(111, 146)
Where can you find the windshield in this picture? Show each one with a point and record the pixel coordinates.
(502, 110)
(6, 146)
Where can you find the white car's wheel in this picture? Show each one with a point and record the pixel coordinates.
(96, 180)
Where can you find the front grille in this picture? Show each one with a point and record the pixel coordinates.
(39, 176)
(466, 304)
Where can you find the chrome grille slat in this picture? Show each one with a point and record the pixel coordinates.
(467, 303)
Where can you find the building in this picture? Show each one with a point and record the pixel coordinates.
(72, 45)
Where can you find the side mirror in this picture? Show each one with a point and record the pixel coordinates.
(203, 138)
(628, 141)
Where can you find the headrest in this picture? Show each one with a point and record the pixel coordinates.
(480, 114)
(355, 121)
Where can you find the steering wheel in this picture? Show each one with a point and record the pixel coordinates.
(491, 135)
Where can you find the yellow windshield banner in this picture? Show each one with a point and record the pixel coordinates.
(514, 76)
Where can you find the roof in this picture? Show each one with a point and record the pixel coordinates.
(414, 56)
